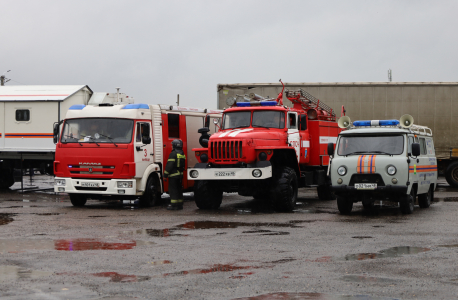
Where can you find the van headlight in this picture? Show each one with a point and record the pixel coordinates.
(391, 170)
(59, 182)
(124, 184)
(257, 173)
(342, 171)
(194, 174)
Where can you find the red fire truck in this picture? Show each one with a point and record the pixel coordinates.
(118, 152)
(266, 150)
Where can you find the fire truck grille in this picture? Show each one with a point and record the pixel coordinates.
(226, 150)
(93, 170)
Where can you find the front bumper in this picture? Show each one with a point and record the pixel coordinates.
(106, 187)
(209, 173)
(388, 190)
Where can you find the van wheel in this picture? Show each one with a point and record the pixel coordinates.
(451, 174)
(152, 195)
(284, 192)
(408, 203)
(78, 200)
(344, 205)
(424, 200)
(325, 192)
(207, 195)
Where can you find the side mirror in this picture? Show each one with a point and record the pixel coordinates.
(330, 149)
(216, 121)
(207, 121)
(146, 140)
(303, 122)
(415, 149)
(55, 133)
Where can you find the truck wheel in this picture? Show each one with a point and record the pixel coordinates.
(408, 203)
(207, 195)
(424, 200)
(325, 192)
(78, 199)
(6, 178)
(152, 195)
(284, 191)
(344, 205)
(451, 174)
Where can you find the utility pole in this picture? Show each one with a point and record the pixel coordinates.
(389, 75)
(3, 79)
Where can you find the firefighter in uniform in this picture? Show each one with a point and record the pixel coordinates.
(174, 171)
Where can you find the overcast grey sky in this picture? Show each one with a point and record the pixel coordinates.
(155, 50)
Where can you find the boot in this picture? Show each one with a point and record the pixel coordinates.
(175, 206)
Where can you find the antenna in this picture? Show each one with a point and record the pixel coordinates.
(2, 78)
(389, 75)
(117, 95)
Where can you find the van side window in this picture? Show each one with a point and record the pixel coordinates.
(409, 149)
(292, 124)
(22, 115)
(174, 125)
(430, 146)
(422, 146)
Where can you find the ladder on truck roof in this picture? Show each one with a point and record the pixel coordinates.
(309, 102)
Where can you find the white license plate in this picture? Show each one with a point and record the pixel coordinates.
(365, 186)
(90, 184)
(224, 174)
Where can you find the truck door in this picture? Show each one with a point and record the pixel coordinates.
(142, 152)
(304, 139)
(293, 133)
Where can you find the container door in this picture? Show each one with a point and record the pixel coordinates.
(143, 152)
(293, 133)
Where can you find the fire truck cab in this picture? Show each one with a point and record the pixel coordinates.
(266, 150)
(118, 152)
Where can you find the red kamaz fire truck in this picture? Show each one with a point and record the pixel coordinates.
(266, 150)
(118, 152)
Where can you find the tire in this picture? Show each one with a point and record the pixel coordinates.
(424, 200)
(78, 200)
(152, 194)
(325, 192)
(6, 178)
(344, 205)
(451, 174)
(284, 192)
(207, 195)
(408, 203)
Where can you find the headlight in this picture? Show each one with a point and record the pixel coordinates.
(59, 182)
(257, 173)
(262, 156)
(204, 158)
(194, 174)
(124, 184)
(391, 170)
(342, 171)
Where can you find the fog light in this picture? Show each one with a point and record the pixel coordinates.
(394, 180)
(61, 189)
(339, 181)
(262, 156)
(60, 182)
(204, 158)
(125, 184)
(121, 191)
(194, 174)
(257, 173)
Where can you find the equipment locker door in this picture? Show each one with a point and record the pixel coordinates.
(142, 152)
(293, 133)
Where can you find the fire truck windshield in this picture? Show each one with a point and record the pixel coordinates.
(97, 130)
(269, 119)
(374, 144)
(236, 119)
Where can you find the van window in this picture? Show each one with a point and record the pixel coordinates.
(22, 115)
(173, 121)
(409, 149)
(430, 146)
(422, 146)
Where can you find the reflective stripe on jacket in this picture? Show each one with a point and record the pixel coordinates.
(175, 164)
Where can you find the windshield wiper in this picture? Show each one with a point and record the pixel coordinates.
(262, 126)
(356, 152)
(111, 140)
(74, 138)
(381, 152)
(367, 152)
(90, 137)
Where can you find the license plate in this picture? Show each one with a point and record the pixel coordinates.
(224, 174)
(90, 184)
(365, 186)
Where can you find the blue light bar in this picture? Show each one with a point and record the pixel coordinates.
(136, 106)
(376, 123)
(268, 103)
(362, 123)
(77, 107)
(243, 104)
(388, 122)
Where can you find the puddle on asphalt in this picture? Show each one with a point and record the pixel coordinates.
(361, 237)
(449, 246)
(114, 276)
(447, 199)
(161, 262)
(311, 296)
(6, 218)
(367, 279)
(390, 252)
(215, 268)
(96, 216)
(46, 214)
(14, 273)
(22, 245)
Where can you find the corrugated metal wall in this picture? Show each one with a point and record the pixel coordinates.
(431, 104)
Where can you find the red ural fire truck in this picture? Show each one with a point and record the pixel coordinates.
(118, 152)
(266, 150)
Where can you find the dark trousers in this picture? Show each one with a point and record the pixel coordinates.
(176, 191)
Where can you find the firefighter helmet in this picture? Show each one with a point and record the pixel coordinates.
(177, 144)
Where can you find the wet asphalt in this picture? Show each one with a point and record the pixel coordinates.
(245, 250)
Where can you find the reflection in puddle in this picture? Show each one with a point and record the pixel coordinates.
(449, 246)
(114, 276)
(367, 279)
(162, 262)
(361, 237)
(213, 269)
(391, 252)
(449, 199)
(14, 273)
(311, 296)
(91, 244)
(6, 218)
